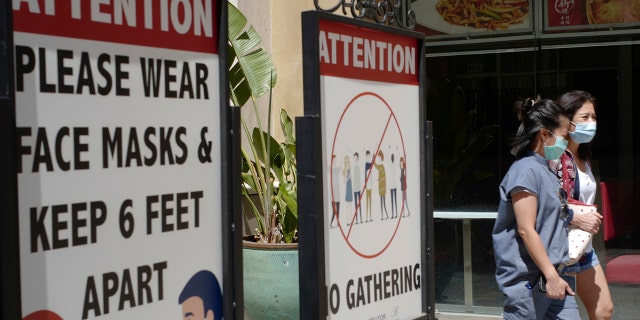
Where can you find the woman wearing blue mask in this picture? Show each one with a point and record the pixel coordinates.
(530, 231)
(574, 170)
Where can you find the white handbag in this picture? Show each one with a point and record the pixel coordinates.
(578, 238)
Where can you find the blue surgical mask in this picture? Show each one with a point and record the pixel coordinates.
(556, 150)
(584, 133)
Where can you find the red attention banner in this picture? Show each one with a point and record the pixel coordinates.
(354, 52)
(172, 24)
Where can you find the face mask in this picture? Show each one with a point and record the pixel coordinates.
(555, 151)
(584, 133)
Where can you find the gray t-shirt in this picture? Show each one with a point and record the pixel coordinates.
(513, 263)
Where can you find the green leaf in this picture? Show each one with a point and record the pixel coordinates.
(287, 127)
(290, 219)
(252, 73)
(239, 89)
(276, 155)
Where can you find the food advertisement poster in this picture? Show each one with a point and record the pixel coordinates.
(118, 132)
(574, 14)
(451, 17)
(370, 106)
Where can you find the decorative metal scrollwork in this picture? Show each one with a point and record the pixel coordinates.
(397, 13)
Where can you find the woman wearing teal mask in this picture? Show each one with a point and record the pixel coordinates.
(574, 169)
(530, 231)
(555, 151)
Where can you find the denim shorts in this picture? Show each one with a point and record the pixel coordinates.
(588, 261)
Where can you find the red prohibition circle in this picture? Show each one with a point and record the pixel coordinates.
(390, 119)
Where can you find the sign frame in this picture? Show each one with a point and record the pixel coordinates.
(313, 204)
(229, 158)
(9, 252)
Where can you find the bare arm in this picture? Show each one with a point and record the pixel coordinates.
(525, 207)
(589, 222)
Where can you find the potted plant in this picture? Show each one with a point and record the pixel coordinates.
(270, 255)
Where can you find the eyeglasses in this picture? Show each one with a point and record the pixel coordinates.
(564, 206)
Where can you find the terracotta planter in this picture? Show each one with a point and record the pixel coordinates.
(271, 287)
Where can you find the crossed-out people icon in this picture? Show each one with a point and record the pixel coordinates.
(347, 175)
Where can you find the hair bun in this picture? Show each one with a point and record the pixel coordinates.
(528, 104)
(523, 107)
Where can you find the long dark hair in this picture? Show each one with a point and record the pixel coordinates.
(533, 116)
(572, 101)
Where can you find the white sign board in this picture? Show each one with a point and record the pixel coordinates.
(118, 121)
(370, 101)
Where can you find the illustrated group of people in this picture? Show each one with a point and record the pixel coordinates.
(354, 185)
(530, 235)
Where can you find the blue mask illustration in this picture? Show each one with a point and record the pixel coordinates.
(584, 133)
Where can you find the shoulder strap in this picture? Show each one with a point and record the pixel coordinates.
(569, 175)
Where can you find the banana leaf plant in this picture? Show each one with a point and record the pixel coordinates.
(268, 167)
